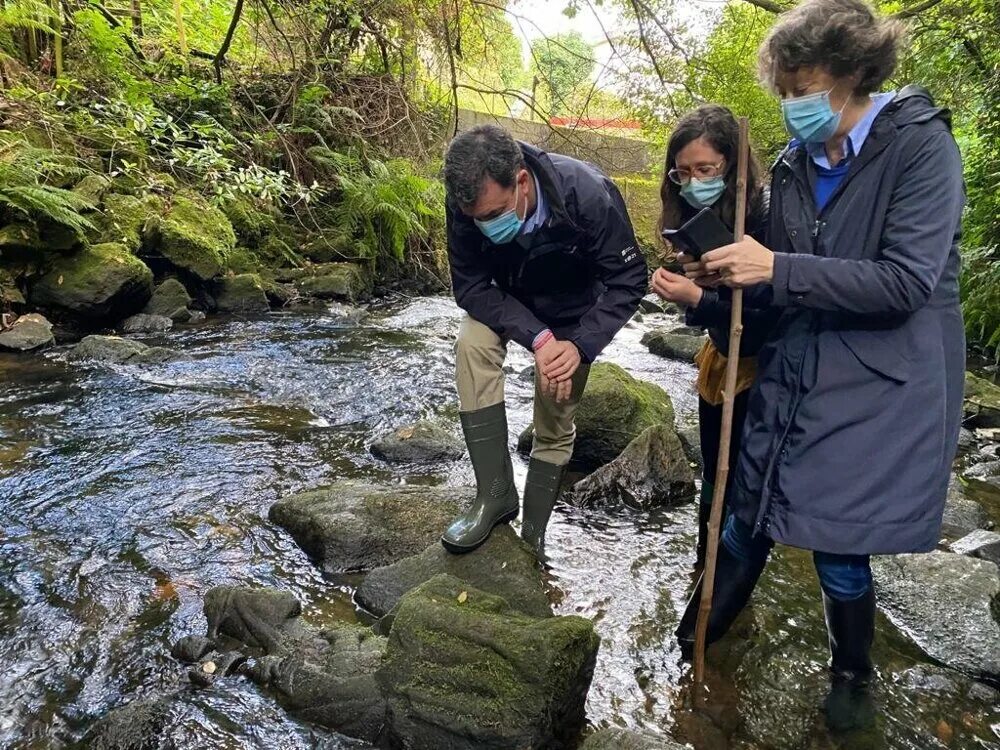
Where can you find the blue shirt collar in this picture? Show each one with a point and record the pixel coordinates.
(858, 135)
(541, 214)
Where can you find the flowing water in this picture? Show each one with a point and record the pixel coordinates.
(126, 492)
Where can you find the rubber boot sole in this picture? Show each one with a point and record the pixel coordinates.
(456, 549)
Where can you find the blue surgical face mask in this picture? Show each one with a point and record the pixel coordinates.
(810, 118)
(703, 193)
(505, 227)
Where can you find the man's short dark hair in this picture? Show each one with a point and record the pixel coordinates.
(475, 154)
(841, 36)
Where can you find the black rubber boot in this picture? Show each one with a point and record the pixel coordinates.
(541, 489)
(851, 627)
(496, 496)
(734, 583)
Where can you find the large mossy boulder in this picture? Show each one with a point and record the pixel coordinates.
(504, 566)
(242, 294)
(982, 402)
(614, 410)
(346, 282)
(101, 283)
(350, 526)
(192, 236)
(652, 472)
(251, 222)
(463, 670)
(29, 332)
(124, 218)
(948, 604)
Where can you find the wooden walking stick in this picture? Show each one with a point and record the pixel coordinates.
(728, 395)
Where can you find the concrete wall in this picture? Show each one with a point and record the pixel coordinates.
(613, 154)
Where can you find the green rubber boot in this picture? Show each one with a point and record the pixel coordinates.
(496, 496)
(541, 489)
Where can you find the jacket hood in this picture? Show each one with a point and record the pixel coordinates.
(914, 105)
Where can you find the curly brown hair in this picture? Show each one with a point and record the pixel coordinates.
(843, 37)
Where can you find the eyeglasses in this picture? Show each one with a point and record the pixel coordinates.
(701, 172)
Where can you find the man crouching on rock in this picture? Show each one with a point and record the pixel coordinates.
(542, 253)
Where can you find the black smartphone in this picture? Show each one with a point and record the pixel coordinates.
(703, 232)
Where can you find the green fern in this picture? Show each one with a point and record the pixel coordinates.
(24, 170)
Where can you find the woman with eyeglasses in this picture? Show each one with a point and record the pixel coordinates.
(853, 421)
(700, 172)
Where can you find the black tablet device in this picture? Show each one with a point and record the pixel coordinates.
(704, 232)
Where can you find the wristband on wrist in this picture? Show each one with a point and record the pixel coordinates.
(542, 339)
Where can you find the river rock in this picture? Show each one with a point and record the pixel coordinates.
(192, 236)
(673, 345)
(463, 670)
(243, 293)
(614, 410)
(961, 514)
(351, 526)
(135, 726)
(125, 217)
(980, 543)
(29, 332)
(144, 323)
(116, 350)
(653, 304)
(982, 402)
(347, 282)
(423, 442)
(690, 437)
(504, 566)
(615, 738)
(171, 300)
(948, 604)
(325, 676)
(686, 331)
(652, 472)
(100, 283)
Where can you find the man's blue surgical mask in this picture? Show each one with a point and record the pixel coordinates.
(703, 193)
(810, 118)
(505, 227)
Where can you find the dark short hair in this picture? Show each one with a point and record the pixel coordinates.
(843, 37)
(718, 126)
(475, 154)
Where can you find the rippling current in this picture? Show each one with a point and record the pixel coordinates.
(126, 492)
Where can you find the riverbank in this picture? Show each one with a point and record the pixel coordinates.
(135, 489)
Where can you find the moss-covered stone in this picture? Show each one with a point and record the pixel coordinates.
(330, 246)
(116, 350)
(101, 283)
(92, 188)
(242, 260)
(242, 294)
(192, 236)
(982, 401)
(614, 410)
(252, 223)
(125, 216)
(464, 670)
(675, 344)
(352, 526)
(338, 281)
(171, 300)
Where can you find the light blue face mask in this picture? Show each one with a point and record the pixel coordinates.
(703, 193)
(505, 227)
(810, 118)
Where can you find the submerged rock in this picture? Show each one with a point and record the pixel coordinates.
(982, 402)
(243, 293)
(116, 350)
(135, 726)
(624, 739)
(465, 671)
(351, 526)
(144, 323)
(171, 300)
(29, 332)
(422, 442)
(99, 283)
(948, 604)
(652, 472)
(614, 410)
(503, 566)
(673, 345)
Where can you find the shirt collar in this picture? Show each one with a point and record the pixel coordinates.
(858, 135)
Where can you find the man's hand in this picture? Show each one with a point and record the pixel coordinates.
(557, 360)
(676, 288)
(739, 265)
